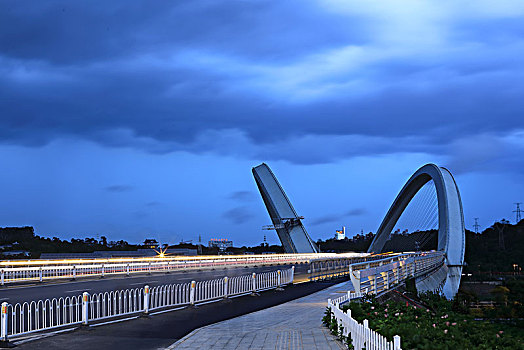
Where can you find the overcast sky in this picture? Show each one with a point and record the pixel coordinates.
(135, 119)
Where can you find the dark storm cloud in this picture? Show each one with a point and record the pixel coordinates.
(297, 81)
(64, 32)
(356, 212)
(326, 219)
(238, 215)
(242, 196)
(118, 188)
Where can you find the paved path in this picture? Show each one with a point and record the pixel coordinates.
(293, 325)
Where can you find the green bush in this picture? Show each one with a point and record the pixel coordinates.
(443, 325)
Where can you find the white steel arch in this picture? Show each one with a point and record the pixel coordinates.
(451, 233)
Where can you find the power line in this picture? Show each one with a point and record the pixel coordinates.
(518, 212)
(476, 226)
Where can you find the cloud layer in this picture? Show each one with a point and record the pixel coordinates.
(303, 82)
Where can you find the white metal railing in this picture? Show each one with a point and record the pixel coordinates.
(40, 270)
(115, 303)
(362, 337)
(29, 317)
(379, 276)
(335, 267)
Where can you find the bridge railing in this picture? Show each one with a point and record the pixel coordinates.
(24, 318)
(334, 267)
(362, 336)
(381, 275)
(35, 270)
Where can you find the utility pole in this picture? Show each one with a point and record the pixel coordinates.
(199, 246)
(518, 212)
(476, 226)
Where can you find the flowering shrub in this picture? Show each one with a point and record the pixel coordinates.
(438, 327)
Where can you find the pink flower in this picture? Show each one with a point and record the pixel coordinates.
(434, 326)
(427, 310)
(501, 332)
(385, 310)
(385, 315)
(454, 324)
(498, 336)
(416, 316)
(445, 331)
(396, 314)
(447, 323)
(372, 308)
(376, 313)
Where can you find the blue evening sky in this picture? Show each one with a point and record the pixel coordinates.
(135, 119)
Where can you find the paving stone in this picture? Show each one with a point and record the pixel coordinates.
(294, 325)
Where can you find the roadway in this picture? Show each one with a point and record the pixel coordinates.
(162, 329)
(64, 288)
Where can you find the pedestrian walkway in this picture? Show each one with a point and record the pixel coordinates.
(293, 325)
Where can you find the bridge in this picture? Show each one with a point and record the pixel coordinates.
(451, 230)
(125, 286)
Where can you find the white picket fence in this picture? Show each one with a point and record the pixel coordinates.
(362, 336)
(42, 315)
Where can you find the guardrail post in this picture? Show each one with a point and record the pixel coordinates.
(74, 272)
(127, 269)
(85, 308)
(396, 342)
(3, 276)
(3, 321)
(149, 268)
(279, 281)
(147, 294)
(192, 293)
(292, 274)
(103, 271)
(254, 279)
(40, 277)
(226, 291)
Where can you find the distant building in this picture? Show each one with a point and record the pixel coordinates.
(340, 235)
(220, 243)
(151, 243)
